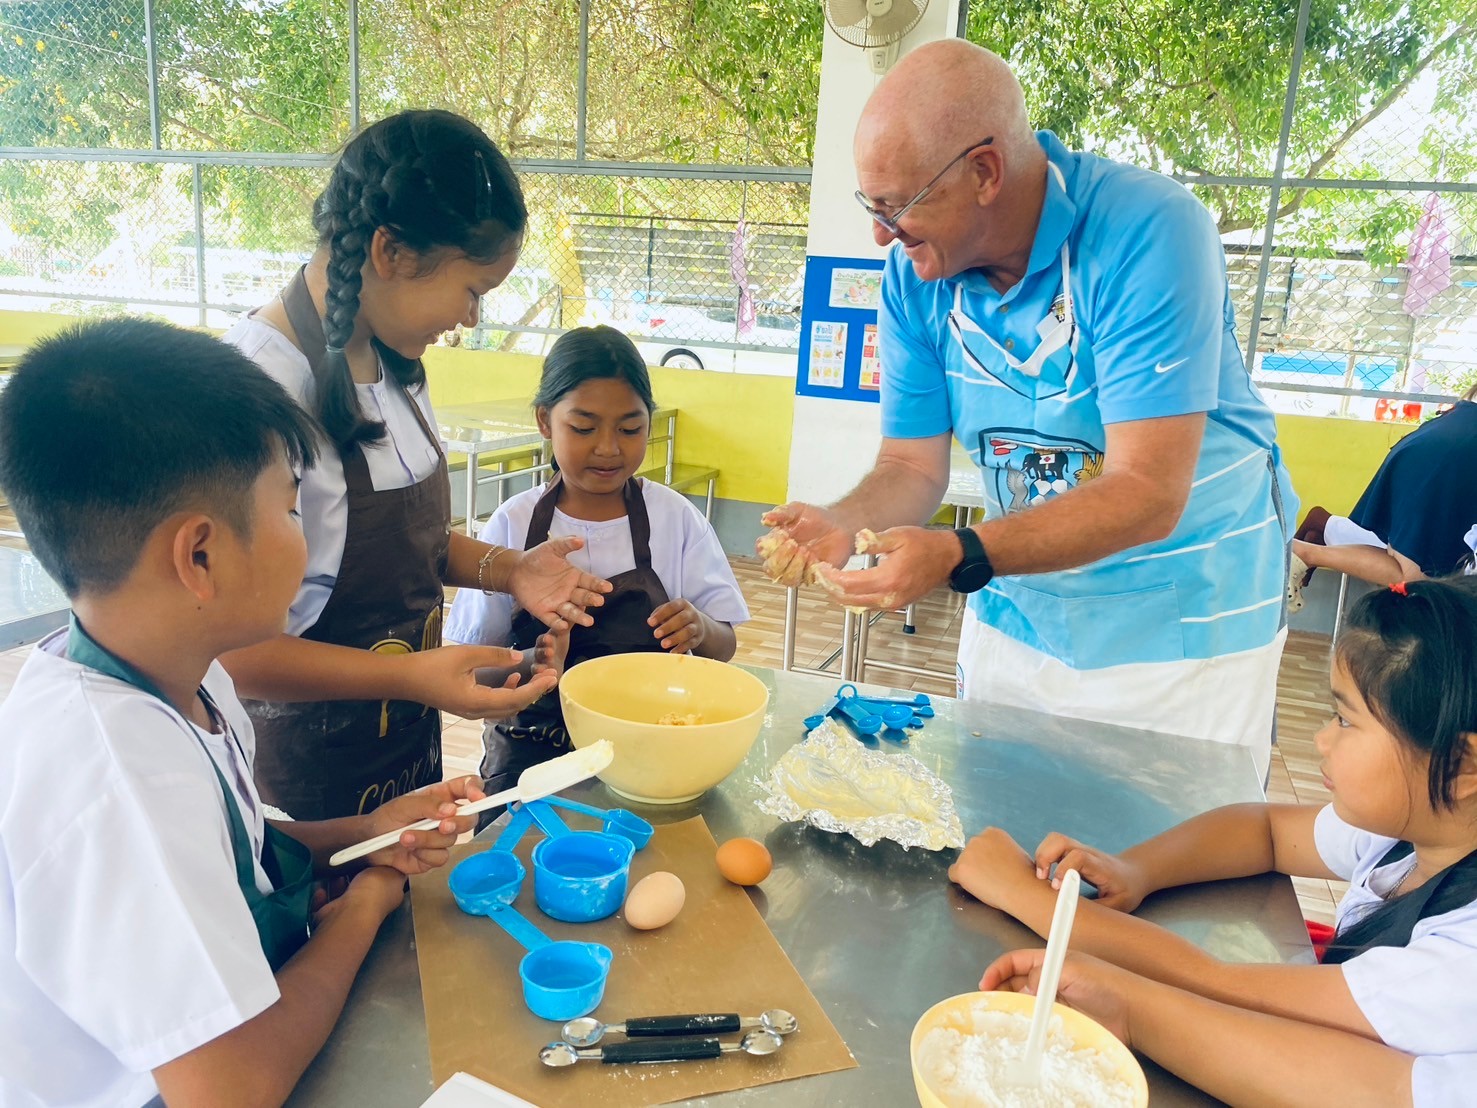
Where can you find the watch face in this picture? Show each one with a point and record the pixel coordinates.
(971, 576)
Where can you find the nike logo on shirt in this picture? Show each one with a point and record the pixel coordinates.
(1160, 367)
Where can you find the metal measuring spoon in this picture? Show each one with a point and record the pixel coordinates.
(758, 1043)
(587, 1030)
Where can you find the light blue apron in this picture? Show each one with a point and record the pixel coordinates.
(1213, 587)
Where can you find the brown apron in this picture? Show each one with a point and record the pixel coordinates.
(326, 759)
(537, 733)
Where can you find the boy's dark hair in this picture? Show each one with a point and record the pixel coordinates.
(592, 354)
(1411, 651)
(438, 184)
(108, 428)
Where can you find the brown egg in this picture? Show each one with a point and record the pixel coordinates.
(744, 861)
(655, 901)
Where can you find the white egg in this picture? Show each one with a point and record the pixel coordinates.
(655, 901)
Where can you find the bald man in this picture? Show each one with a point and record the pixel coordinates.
(1067, 319)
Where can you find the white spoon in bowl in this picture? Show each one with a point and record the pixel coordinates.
(1027, 1069)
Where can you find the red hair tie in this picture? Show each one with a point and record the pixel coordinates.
(1399, 586)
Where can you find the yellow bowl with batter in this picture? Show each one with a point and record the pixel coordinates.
(679, 724)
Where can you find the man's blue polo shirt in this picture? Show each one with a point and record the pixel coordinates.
(1155, 336)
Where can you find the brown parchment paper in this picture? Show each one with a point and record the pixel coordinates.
(716, 956)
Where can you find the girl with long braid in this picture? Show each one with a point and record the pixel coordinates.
(421, 217)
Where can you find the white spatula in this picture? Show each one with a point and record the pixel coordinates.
(1027, 1070)
(535, 782)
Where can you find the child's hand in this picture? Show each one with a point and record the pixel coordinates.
(550, 651)
(419, 851)
(679, 625)
(1094, 988)
(379, 889)
(446, 678)
(556, 592)
(1119, 883)
(993, 868)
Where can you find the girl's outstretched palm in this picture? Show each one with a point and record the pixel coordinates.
(544, 583)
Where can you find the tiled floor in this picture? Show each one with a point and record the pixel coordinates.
(1302, 693)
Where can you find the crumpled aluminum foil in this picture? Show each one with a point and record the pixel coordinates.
(833, 782)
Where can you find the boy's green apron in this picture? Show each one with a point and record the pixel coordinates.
(281, 916)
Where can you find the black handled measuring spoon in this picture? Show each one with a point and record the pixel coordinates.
(587, 1030)
(756, 1042)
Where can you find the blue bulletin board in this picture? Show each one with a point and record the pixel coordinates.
(838, 329)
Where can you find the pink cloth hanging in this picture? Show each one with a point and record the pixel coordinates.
(1429, 260)
(738, 266)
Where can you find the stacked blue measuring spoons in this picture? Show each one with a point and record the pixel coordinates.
(578, 877)
(890, 717)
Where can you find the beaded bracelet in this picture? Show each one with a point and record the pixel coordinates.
(487, 560)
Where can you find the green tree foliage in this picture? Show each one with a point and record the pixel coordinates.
(1198, 86)
(666, 83)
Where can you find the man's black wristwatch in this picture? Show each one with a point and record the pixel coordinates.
(975, 571)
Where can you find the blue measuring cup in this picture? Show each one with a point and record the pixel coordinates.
(520, 821)
(613, 821)
(860, 716)
(581, 876)
(561, 980)
(917, 700)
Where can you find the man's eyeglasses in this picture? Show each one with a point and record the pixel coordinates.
(888, 222)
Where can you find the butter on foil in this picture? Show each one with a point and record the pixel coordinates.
(833, 782)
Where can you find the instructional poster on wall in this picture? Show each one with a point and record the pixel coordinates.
(856, 288)
(827, 355)
(840, 356)
(871, 375)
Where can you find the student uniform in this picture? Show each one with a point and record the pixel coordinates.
(140, 889)
(1423, 498)
(661, 548)
(377, 519)
(1420, 997)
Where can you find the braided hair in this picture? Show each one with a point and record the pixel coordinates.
(436, 183)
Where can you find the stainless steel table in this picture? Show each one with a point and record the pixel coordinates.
(31, 603)
(879, 933)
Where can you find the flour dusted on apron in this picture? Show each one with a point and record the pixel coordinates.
(326, 759)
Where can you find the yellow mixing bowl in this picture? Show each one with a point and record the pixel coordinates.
(620, 697)
(954, 1013)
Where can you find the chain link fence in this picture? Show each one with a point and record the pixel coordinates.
(1367, 296)
(701, 273)
(1356, 316)
(125, 179)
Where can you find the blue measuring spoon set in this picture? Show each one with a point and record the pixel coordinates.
(870, 716)
(578, 877)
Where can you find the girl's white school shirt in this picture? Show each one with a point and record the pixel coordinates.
(124, 939)
(685, 554)
(1421, 998)
(402, 458)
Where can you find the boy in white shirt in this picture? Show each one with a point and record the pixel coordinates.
(158, 936)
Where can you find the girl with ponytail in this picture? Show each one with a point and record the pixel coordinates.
(421, 217)
(1390, 1016)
